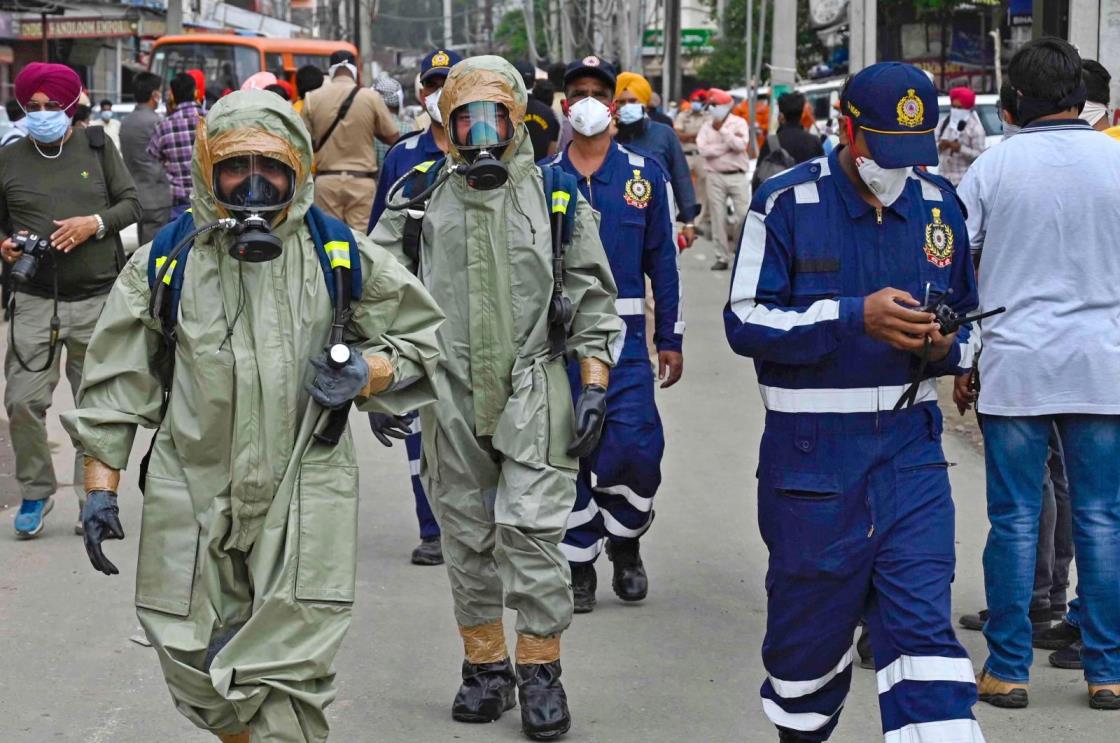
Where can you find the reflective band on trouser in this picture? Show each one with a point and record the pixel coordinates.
(339, 253)
(560, 201)
(581, 554)
(630, 306)
(925, 668)
(795, 689)
(804, 721)
(851, 400)
(942, 731)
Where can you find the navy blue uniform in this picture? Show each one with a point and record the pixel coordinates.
(853, 499)
(663, 143)
(617, 482)
(402, 158)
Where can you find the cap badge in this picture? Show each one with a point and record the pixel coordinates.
(853, 109)
(910, 109)
(441, 59)
(638, 191)
(939, 241)
(591, 61)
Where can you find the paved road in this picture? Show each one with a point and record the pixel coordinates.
(684, 666)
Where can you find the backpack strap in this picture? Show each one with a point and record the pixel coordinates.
(418, 180)
(172, 276)
(336, 247)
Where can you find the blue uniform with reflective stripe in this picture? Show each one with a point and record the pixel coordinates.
(402, 158)
(406, 154)
(617, 482)
(853, 499)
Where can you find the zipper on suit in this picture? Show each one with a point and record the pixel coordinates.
(878, 215)
(590, 194)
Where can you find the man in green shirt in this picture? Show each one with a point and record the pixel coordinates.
(69, 186)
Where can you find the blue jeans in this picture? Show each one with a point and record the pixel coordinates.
(1015, 454)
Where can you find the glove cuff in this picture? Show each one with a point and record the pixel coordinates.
(593, 372)
(380, 375)
(100, 476)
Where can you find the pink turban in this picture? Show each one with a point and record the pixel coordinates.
(963, 96)
(59, 82)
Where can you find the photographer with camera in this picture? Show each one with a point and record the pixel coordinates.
(64, 196)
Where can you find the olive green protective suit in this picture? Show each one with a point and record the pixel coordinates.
(247, 555)
(495, 460)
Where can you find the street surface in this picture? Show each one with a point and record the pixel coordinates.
(682, 666)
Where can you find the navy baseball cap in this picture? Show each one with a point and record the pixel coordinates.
(895, 104)
(593, 66)
(438, 62)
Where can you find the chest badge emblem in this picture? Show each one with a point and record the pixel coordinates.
(910, 109)
(638, 191)
(84, 174)
(939, 241)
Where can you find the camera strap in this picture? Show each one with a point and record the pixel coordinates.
(56, 325)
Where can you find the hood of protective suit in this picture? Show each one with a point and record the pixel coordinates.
(486, 78)
(252, 122)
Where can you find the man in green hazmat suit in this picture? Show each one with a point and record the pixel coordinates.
(247, 552)
(501, 444)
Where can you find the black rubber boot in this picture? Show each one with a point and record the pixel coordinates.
(630, 582)
(1058, 637)
(785, 735)
(584, 583)
(544, 705)
(487, 692)
(428, 552)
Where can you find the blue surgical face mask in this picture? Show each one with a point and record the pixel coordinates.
(631, 113)
(47, 127)
(106, 115)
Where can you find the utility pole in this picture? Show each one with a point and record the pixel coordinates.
(447, 37)
(364, 34)
(488, 27)
(862, 41)
(750, 77)
(174, 17)
(671, 38)
(783, 45)
(530, 29)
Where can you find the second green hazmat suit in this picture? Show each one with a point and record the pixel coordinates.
(496, 464)
(247, 557)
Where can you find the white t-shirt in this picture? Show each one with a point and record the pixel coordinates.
(1044, 210)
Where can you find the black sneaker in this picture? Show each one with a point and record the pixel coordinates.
(544, 704)
(584, 583)
(720, 265)
(1068, 658)
(428, 552)
(974, 621)
(486, 692)
(1060, 636)
(630, 582)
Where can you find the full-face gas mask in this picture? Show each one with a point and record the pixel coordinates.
(255, 190)
(482, 131)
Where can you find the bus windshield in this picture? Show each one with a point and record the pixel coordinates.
(224, 65)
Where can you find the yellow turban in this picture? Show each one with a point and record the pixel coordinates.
(636, 84)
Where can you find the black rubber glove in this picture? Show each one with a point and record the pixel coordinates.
(591, 411)
(100, 522)
(335, 387)
(388, 427)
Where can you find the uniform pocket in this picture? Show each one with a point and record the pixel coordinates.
(168, 548)
(328, 533)
(804, 521)
(561, 416)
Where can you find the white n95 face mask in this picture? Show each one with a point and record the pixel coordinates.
(719, 113)
(431, 105)
(886, 183)
(589, 116)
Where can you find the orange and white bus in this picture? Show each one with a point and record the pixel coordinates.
(228, 59)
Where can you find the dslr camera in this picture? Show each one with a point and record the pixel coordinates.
(34, 249)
